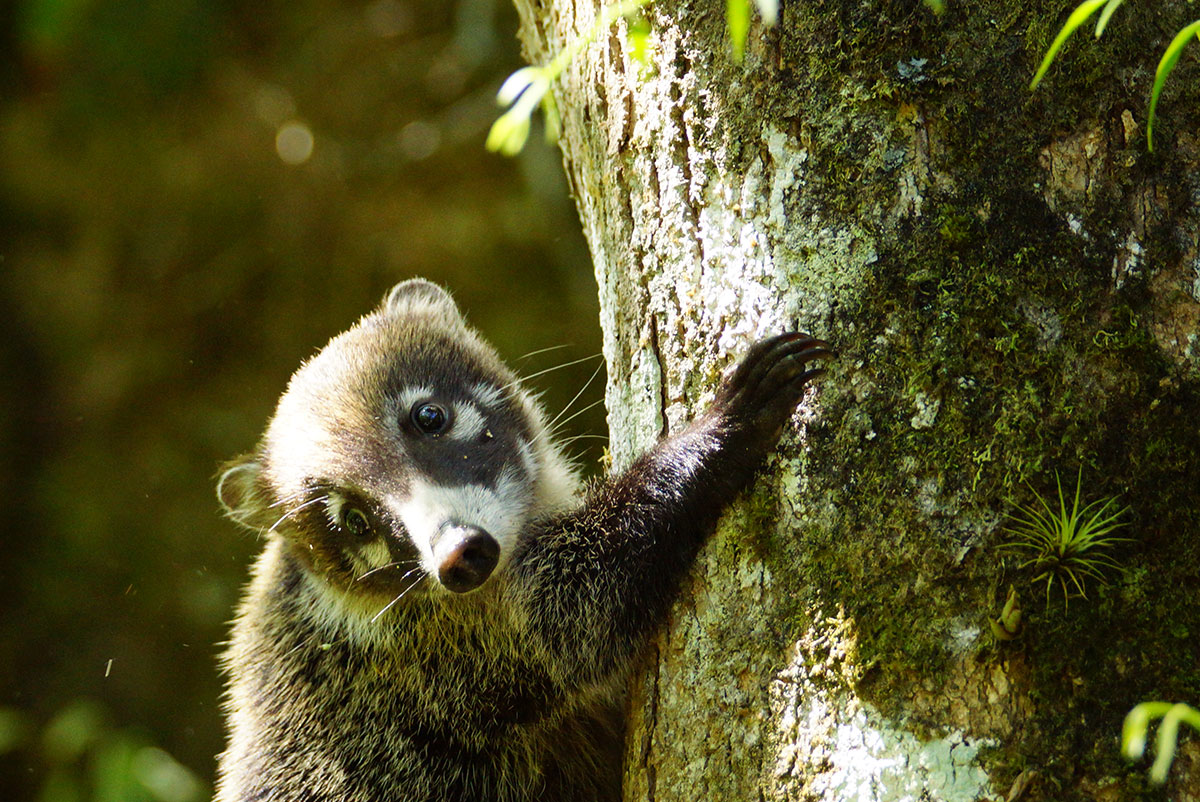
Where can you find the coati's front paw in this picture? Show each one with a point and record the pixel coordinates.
(758, 398)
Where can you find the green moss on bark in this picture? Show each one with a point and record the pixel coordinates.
(991, 350)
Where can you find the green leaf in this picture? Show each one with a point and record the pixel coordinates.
(551, 119)
(1079, 16)
(508, 134)
(1169, 58)
(73, 731)
(1137, 725)
(1105, 15)
(640, 40)
(528, 87)
(524, 90)
(737, 17)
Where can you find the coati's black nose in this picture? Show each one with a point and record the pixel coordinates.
(465, 556)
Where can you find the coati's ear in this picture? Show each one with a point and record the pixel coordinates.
(418, 296)
(241, 493)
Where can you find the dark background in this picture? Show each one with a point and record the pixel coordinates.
(163, 271)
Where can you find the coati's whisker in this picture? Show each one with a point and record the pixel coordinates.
(543, 372)
(576, 414)
(402, 593)
(544, 350)
(582, 390)
(566, 441)
(295, 510)
(395, 564)
(288, 498)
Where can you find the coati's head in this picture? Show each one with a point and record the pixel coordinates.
(404, 450)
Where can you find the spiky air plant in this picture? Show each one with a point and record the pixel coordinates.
(1070, 545)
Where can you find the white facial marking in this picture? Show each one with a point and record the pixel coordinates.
(371, 555)
(527, 460)
(487, 395)
(334, 503)
(411, 395)
(499, 511)
(468, 423)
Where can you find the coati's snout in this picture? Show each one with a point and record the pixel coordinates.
(465, 557)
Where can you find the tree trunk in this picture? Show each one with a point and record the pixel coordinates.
(1013, 284)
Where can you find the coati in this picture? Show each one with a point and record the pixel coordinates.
(439, 612)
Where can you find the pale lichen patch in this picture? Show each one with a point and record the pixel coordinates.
(864, 755)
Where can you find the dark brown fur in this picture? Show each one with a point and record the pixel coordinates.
(508, 692)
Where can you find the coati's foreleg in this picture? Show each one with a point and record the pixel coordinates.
(598, 581)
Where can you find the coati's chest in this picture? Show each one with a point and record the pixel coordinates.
(461, 674)
(457, 695)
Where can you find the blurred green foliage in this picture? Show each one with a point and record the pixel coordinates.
(168, 255)
(84, 758)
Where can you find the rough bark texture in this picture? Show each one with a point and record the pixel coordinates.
(1014, 284)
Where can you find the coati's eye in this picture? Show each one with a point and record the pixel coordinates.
(430, 418)
(356, 522)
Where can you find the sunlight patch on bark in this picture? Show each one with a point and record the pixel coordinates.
(864, 757)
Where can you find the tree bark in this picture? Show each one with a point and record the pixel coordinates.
(1014, 285)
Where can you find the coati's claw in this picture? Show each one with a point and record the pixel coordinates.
(767, 384)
